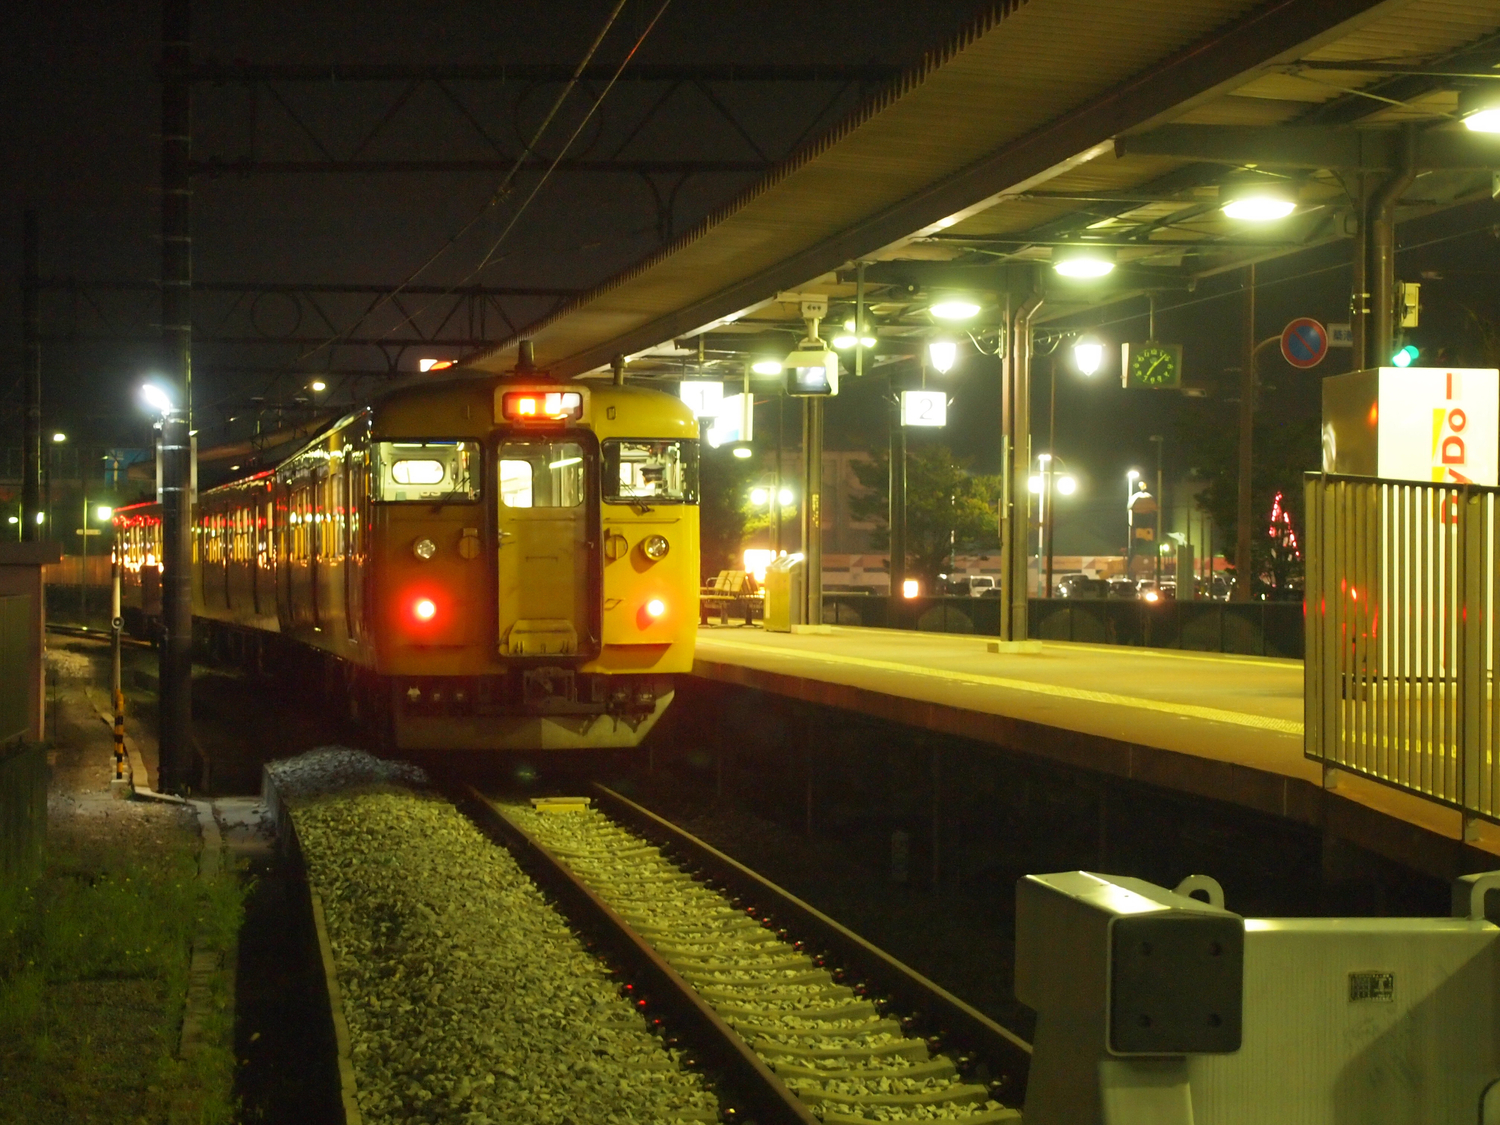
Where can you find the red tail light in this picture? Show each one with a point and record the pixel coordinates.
(424, 609)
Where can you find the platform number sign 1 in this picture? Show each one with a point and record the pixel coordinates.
(1304, 342)
(924, 408)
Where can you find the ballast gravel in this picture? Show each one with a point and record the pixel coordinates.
(831, 1047)
(468, 999)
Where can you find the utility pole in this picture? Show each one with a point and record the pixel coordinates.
(1242, 577)
(1015, 508)
(174, 453)
(31, 362)
(896, 499)
(812, 532)
(1161, 499)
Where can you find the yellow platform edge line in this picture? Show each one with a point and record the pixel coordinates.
(1056, 691)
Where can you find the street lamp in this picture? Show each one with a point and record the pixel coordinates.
(1088, 353)
(157, 400)
(942, 354)
(1047, 484)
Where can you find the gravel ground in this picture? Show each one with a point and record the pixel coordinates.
(831, 1047)
(468, 998)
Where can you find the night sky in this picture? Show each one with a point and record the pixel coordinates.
(82, 134)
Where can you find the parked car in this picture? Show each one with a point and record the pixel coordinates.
(1081, 586)
(1123, 588)
(1153, 591)
(971, 585)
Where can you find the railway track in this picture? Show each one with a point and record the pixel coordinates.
(815, 1023)
(86, 633)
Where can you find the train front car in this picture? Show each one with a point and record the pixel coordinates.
(533, 563)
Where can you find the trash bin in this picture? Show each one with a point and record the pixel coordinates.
(785, 587)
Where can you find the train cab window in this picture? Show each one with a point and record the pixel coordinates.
(542, 474)
(427, 470)
(663, 472)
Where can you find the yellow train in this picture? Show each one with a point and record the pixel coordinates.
(482, 563)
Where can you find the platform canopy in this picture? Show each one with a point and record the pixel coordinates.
(1050, 125)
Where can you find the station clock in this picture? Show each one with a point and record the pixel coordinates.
(1151, 365)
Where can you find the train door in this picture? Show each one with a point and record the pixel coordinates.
(316, 546)
(547, 525)
(356, 496)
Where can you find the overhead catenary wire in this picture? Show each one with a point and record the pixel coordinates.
(502, 189)
(542, 180)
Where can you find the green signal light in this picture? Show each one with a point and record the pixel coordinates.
(1406, 355)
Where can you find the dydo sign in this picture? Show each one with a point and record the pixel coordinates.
(1439, 424)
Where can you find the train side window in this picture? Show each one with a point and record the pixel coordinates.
(427, 470)
(663, 472)
(542, 474)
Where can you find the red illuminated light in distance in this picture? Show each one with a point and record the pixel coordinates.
(542, 406)
(424, 609)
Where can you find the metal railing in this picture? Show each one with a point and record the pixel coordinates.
(1402, 593)
(1248, 628)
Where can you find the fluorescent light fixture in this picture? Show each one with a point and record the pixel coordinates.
(59, 437)
(954, 308)
(1088, 353)
(14, 519)
(41, 517)
(1082, 262)
(1259, 206)
(942, 354)
(156, 399)
(766, 367)
(743, 451)
(1480, 109)
(317, 386)
(846, 340)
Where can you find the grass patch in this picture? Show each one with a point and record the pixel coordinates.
(94, 957)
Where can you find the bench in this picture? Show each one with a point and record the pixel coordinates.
(730, 589)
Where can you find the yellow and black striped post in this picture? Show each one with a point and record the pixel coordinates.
(119, 736)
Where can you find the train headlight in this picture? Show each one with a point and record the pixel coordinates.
(424, 548)
(424, 609)
(655, 548)
(655, 607)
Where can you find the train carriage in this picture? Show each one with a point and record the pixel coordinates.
(482, 563)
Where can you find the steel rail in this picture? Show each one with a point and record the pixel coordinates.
(753, 1080)
(977, 1037)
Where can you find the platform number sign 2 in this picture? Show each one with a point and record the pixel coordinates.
(924, 408)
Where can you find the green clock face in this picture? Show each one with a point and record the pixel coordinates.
(1155, 365)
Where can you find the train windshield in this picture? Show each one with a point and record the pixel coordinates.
(542, 474)
(663, 472)
(427, 470)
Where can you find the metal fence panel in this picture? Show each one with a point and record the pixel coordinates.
(15, 651)
(1400, 636)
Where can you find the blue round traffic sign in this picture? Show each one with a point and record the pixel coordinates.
(1304, 342)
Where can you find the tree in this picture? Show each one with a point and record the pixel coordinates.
(723, 509)
(1286, 446)
(947, 508)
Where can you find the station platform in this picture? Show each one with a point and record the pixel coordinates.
(1227, 728)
